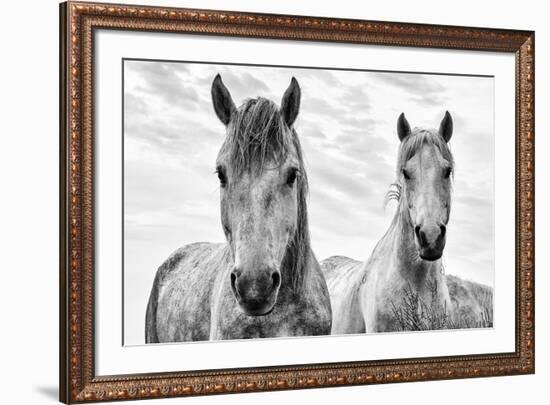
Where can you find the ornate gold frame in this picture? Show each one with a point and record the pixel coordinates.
(78, 21)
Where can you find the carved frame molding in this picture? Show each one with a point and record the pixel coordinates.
(78, 21)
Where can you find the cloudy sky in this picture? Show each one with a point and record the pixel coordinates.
(346, 126)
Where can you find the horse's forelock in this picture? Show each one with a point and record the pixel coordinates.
(256, 136)
(418, 138)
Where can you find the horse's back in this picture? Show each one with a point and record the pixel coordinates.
(179, 303)
(472, 302)
(343, 276)
(334, 267)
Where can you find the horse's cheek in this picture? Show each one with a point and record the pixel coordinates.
(225, 215)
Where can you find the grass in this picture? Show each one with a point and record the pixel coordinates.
(414, 314)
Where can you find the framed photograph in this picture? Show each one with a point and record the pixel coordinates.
(255, 202)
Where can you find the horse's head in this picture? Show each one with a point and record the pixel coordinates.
(425, 168)
(262, 192)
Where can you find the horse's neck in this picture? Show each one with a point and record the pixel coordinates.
(408, 266)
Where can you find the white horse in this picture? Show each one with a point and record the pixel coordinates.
(402, 286)
(265, 280)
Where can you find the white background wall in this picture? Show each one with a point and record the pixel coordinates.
(29, 198)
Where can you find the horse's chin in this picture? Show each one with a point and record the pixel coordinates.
(257, 311)
(254, 310)
(259, 306)
(430, 255)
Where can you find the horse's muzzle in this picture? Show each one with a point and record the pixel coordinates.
(430, 241)
(256, 291)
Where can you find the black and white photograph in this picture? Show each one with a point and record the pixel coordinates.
(278, 201)
(275, 202)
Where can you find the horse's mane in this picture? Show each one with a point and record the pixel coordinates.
(408, 148)
(256, 136)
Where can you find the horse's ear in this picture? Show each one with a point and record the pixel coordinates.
(446, 127)
(222, 101)
(290, 105)
(403, 127)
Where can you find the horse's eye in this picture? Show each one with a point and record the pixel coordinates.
(291, 176)
(221, 175)
(406, 174)
(447, 172)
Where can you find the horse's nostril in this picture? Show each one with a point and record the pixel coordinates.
(233, 279)
(276, 277)
(421, 236)
(443, 230)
